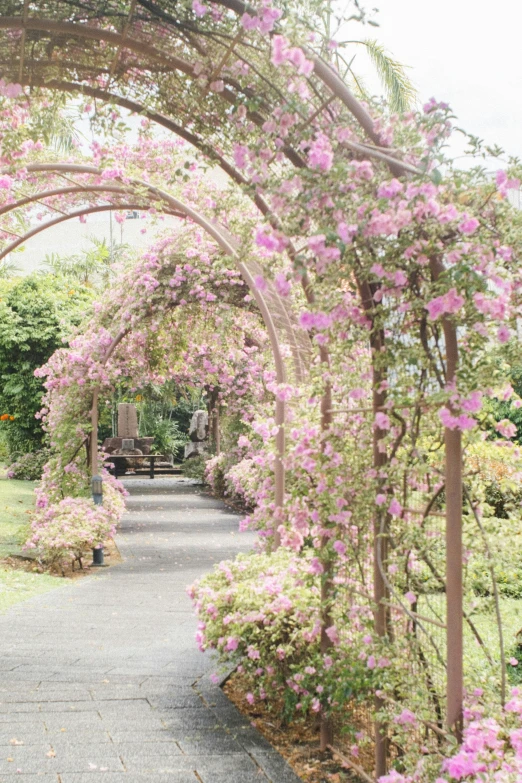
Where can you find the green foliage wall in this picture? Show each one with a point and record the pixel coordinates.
(36, 312)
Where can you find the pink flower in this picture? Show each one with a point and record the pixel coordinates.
(10, 90)
(346, 232)
(382, 421)
(468, 225)
(282, 285)
(316, 567)
(461, 422)
(333, 635)
(250, 698)
(410, 597)
(503, 334)
(198, 8)
(450, 302)
(260, 283)
(390, 189)
(371, 663)
(232, 644)
(320, 154)
(6, 182)
(380, 500)
(395, 508)
(406, 717)
(266, 238)
(506, 428)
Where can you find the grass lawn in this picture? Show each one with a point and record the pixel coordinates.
(16, 499)
(478, 672)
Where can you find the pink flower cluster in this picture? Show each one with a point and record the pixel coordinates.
(282, 53)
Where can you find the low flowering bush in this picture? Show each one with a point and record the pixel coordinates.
(242, 483)
(263, 611)
(113, 499)
(215, 475)
(64, 527)
(63, 531)
(491, 750)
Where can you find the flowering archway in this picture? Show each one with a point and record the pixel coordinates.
(414, 265)
(130, 193)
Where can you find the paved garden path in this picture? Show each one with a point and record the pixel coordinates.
(101, 679)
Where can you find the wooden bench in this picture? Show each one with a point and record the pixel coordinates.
(119, 457)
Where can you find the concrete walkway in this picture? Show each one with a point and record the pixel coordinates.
(102, 680)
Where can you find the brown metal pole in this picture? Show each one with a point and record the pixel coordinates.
(215, 431)
(380, 555)
(454, 590)
(454, 568)
(380, 526)
(94, 434)
(326, 728)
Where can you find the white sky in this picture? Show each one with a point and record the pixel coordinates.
(465, 52)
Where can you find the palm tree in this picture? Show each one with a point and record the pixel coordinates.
(399, 90)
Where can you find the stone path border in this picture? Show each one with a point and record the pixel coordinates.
(102, 680)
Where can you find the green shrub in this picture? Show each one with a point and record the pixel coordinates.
(30, 466)
(194, 468)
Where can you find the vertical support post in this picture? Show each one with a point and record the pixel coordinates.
(279, 468)
(454, 591)
(94, 433)
(380, 555)
(380, 526)
(454, 570)
(326, 729)
(215, 429)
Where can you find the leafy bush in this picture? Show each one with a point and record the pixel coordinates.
(63, 531)
(194, 468)
(215, 474)
(242, 482)
(30, 466)
(36, 312)
(263, 611)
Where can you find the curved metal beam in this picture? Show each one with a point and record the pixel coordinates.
(225, 242)
(70, 216)
(60, 192)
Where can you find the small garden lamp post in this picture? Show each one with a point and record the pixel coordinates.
(97, 496)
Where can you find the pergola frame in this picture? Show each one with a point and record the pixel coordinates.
(270, 304)
(327, 87)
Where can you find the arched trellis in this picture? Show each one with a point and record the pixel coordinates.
(132, 40)
(278, 318)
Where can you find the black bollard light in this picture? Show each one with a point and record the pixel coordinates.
(97, 490)
(97, 496)
(97, 556)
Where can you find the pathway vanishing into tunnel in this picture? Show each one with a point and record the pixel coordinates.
(102, 680)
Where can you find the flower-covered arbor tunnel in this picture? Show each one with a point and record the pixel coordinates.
(405, 272)
(79, 197)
